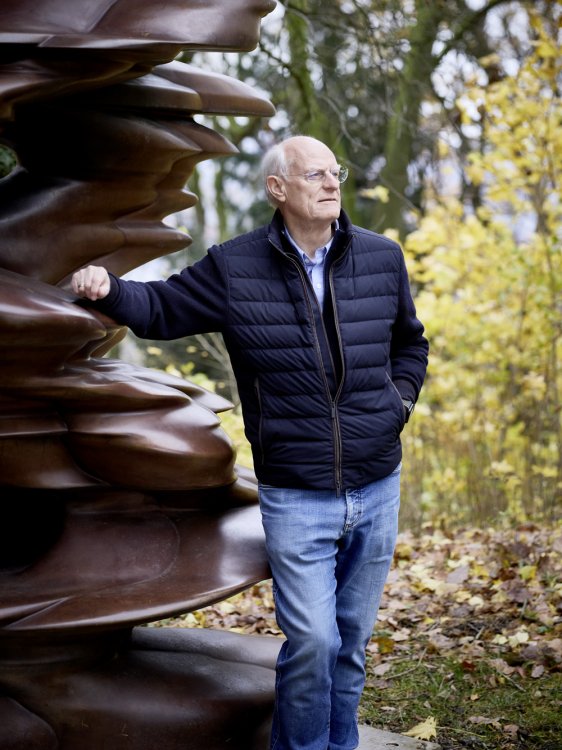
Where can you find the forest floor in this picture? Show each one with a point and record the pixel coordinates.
(467, 651)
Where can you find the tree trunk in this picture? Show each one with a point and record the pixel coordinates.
(414, 83)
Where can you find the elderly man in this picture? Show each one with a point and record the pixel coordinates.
(329, 358)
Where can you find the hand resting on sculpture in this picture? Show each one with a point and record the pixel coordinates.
(91, 282)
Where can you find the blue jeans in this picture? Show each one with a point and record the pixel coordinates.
(329, 557)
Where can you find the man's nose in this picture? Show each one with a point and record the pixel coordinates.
(331, 179)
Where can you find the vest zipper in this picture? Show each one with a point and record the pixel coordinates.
(336, 432)
(335, 416)
(336, 429)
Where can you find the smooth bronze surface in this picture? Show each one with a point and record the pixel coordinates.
(121, 504)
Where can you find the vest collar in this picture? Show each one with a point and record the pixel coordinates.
(276, 236)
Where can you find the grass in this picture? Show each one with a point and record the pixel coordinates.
(474, 705)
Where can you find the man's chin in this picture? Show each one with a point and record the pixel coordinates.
(331, 208)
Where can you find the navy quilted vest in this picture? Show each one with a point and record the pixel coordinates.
(302, 434)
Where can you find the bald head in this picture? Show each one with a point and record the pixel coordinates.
(298, 144)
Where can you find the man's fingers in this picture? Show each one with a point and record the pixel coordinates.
(91, 282)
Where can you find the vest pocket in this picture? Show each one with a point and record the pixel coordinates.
(398, 398)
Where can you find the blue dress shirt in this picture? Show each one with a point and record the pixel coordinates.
(314, 267)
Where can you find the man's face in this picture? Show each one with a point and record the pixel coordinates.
(306, 202)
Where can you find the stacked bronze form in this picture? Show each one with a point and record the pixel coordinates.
(120, 502)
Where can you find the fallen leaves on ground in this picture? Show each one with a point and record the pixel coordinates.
(426, 730)
(477, 593)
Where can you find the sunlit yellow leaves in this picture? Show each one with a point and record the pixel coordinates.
(501, 468)
(378, 193)
(522, 636)
(545, 48)
(154, 350)
(499, 639)
(478, 570)
(528, 572)
(475, 169)
(426, 730)
(534, 385)
(491, 59)
(385, 645)
(392, 234)
(443, 148)
(549, 472)
(490, 294)
(522, 128)
(173, 370)
(403, 551)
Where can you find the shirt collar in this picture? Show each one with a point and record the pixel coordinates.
(325, 248)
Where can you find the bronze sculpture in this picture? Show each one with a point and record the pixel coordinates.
(121, 504)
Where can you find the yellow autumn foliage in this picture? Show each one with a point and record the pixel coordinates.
(425, 730)
(486, 438)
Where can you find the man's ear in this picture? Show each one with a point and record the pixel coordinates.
(276, 188)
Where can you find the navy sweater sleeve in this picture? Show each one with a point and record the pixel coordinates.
(193, 301)
(409, 347)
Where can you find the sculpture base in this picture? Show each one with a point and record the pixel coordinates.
(174, 688)
(182, 689)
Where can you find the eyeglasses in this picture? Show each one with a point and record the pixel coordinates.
(319, 175)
